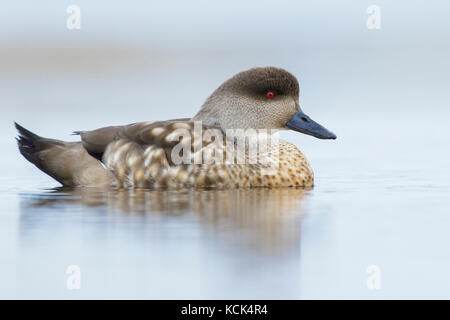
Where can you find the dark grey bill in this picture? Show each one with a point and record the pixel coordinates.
(302, 123)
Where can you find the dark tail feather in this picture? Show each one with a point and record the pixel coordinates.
(30, 144)
(27, 142)
(26, 139)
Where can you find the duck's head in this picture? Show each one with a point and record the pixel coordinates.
(260, 98)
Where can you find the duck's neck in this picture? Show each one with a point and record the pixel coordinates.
(209, 113)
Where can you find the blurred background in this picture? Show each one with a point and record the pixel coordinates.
(381, 195)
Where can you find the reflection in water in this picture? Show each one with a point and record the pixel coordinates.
(157, 244)
(264, 218)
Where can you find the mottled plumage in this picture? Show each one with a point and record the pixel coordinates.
(197, 152)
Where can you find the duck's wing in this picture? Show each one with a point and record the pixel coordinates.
(96, 141)
(165, 135)
(161, 153)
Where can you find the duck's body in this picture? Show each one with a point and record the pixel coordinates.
(197, 152)
(147, 162)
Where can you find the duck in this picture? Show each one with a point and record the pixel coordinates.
(231, 142)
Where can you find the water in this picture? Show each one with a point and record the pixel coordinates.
(381, 196)
(149, 244)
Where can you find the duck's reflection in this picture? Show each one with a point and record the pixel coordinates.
(268, 218)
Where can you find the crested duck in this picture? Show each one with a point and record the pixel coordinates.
(195, 152)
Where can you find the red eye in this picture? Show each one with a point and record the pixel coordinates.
(270, 95)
